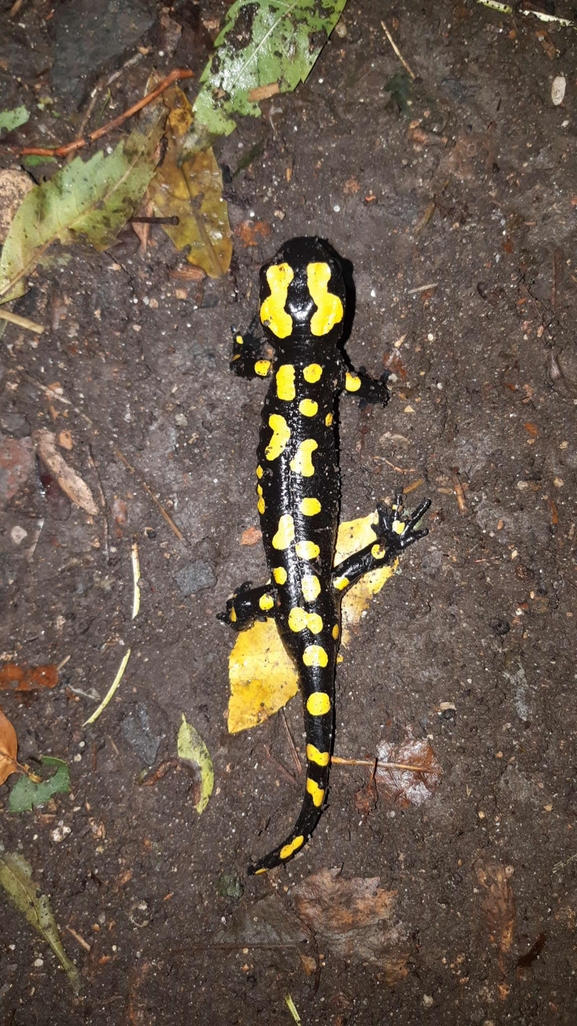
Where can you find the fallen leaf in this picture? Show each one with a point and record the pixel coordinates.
(71, 484)
(89, 201)
(8, 748)
(14, 677)
(192, 748)
(355, 919)
(16, 464)
(28, 794)
(403, 786)
(264, 923)
(11, 119)
(192, 191)
(16, 879)
(251, 233)
(14, 186)
(499, 903)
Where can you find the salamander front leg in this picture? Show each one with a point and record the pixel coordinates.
(249, 359)
(247, 605)
(371, 391)
(395, 531)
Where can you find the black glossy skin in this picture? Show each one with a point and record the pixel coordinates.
(292, 592)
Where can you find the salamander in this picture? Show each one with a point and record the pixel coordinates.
(301, 318)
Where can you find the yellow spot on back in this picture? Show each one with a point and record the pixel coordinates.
(261, 505)
(342, 583)
(315, 655)
(280, 575)
(302, 462)
(259, 471)
(310, 507)
(233, 616)
(330, 307)
(321, 758)
(239, 340)
(335, 631)
(352, 382)
(262, 368)
(290, 848)
(266, 602)
(329, 419)
(285, 382)
(377, 552)
(307, 550)
(299, 620)
(308, 407)
(317, 793)
(280, 436)
(257, 872)
(272, 312)
(311, 587)
(319, 703)
(312, 373)
(285, 533)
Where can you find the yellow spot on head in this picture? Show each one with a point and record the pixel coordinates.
(308, 407)
(280, 436)
(285, 382)
(280, 575)
(342, 583)
(302, 462)
(272, 312)
(318, 704)
(312, 373)
(317, 793)
(259, 471)
(330, 308)
(335, 631)
(307, 550)
(311, 587)
(285, 533)
(321, 758)
(262, 368)
(290, 848)
(266, 602)
(352, 382)
(315, 655)
(378, 552)
(329, 419)
(310, 507)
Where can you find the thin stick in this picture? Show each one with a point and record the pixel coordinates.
(149, 492)
(336, 761)
(78, 144)
(21, 322)
(292, 746)
(397, 51)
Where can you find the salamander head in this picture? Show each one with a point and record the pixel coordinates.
(302, 292)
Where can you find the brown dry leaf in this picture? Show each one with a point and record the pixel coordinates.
(366, 798)
(8, 748)
(355, 919)
(14, 186)
(265, 923)
(16, 463)
(27, 678)
(407, 787)
(69, 481)
(192, 191)
(249, 232)
(499, 904)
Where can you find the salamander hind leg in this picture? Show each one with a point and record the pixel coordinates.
(246, 605)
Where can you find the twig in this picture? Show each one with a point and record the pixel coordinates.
(111, 691)
(280, 767)
(422, 288)
(149, 492)
(135, 578)
(292, 746)
(83, 944)
(397, 51)
(78, 144)
(21, 322)
(336, 761)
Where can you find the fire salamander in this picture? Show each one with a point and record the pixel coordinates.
(302, 312)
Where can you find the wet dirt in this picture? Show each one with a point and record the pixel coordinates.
(455, 201)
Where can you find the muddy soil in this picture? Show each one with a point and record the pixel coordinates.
(455, 202)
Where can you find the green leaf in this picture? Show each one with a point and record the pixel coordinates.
(16, 879)
(88, 201)
(26, 795)
(11, 119)
(191, 747)
(264, 43)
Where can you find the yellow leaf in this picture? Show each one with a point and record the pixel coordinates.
(190, 746)
(192, 191)
(262, 676)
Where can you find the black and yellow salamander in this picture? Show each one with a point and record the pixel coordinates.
(302, 312)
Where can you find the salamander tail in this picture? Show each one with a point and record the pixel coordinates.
(317, 781)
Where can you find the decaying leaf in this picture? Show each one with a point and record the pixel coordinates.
(407, 786)
(262, 676)
(16, 879)
(355, 919)
(192, 748)
(11, 119)
(499, 904)
(88, 201)
(264, 923)
(264, 47)
(71, 484)
(27, 794)
(8, 748)
(14, 186)
(192, 191)
(14, 677)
